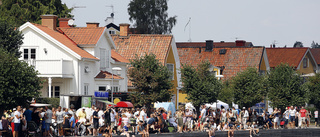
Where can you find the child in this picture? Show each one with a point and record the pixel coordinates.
(254, 129)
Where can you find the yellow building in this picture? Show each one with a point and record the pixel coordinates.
(299, 58)
(163, 46)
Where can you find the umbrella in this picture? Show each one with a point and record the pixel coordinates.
(106, 102)
(39, 105)
(124, 104)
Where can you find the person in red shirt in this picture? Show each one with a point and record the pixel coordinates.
(303, 116)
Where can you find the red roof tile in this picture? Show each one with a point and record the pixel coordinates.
(236, 59)
(316, 54)
(107, 75)
(292, 56)
(215, 44)
(84, 35)
(65, 41)
(141, 44)
(117, 57)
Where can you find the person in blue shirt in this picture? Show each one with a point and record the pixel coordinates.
(27, 114)
(72, 121)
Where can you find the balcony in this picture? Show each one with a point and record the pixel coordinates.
(53, 68)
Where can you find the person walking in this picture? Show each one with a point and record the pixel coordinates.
(48, 120)
(303, 114)
(292, 115)
(95, 121)
(17, 121)
(316, 114)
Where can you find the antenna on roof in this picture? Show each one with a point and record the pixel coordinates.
(189, 23)
(274, 43)
(76, 7)
(110, 19)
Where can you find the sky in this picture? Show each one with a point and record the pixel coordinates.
(262, 22)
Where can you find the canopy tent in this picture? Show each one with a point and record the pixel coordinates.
(124, 104)
(219, 104)
(39, 105)
(106, 102)
(168, 106)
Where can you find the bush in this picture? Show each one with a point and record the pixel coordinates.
(55, 102)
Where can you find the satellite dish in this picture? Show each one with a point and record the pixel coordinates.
(70, 22)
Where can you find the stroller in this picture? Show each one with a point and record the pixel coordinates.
(33, 129)
(260, 122)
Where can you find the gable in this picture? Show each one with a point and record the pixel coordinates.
(141, 44)
(59, 39)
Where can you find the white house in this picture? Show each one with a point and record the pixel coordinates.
(74, 62)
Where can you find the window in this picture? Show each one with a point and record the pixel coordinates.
(103, 57)
(29, 53)
(112, 32)
(57, 91)
(171, 69)
(305, 62)
(102, 88)
(116, 88)
(86, 89)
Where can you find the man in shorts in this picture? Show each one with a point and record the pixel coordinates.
(303, 117)
(17, 121)
(316, 114)
(203, 116)
(95, 121)
(48, 120)
(292, 115)
(189, 117)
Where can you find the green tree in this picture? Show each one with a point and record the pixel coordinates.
(10, 38)
(150, 16)
(285, 87)
(248, 87)
(226, 94)
(151, 79)
(313, 85)
(200, 84)
(21, 11)
(19, 82)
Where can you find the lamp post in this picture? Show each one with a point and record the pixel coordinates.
(112, 88)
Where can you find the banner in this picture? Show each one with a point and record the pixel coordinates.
(86, 102)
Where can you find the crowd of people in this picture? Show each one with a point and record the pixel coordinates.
(109, 121)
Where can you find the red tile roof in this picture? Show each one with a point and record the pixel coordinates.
(316, 54)
(118, 58)
(141, 44)
(65, 41)
(83, 35)
(215, 44)
(292, 56)
(236, 59)
(107, 75)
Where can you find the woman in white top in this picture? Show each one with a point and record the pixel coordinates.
(223, 116)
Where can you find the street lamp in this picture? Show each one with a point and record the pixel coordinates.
(112, 88)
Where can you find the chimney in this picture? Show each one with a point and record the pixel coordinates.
(124, 29)
(63, 22)
(240, 43)
(92, 24)
(50, 21)
(209, 45)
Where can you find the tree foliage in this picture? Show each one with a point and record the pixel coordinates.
(19, 82)
(248, 87)
(150, 16)
(298, 44)
(21, 11)
(226, 95)
(151, 80)
(10, 38)
(315, 45)
(285, 87)
(313, 85)
(200, 84)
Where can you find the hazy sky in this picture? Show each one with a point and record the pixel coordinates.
(259, 21)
